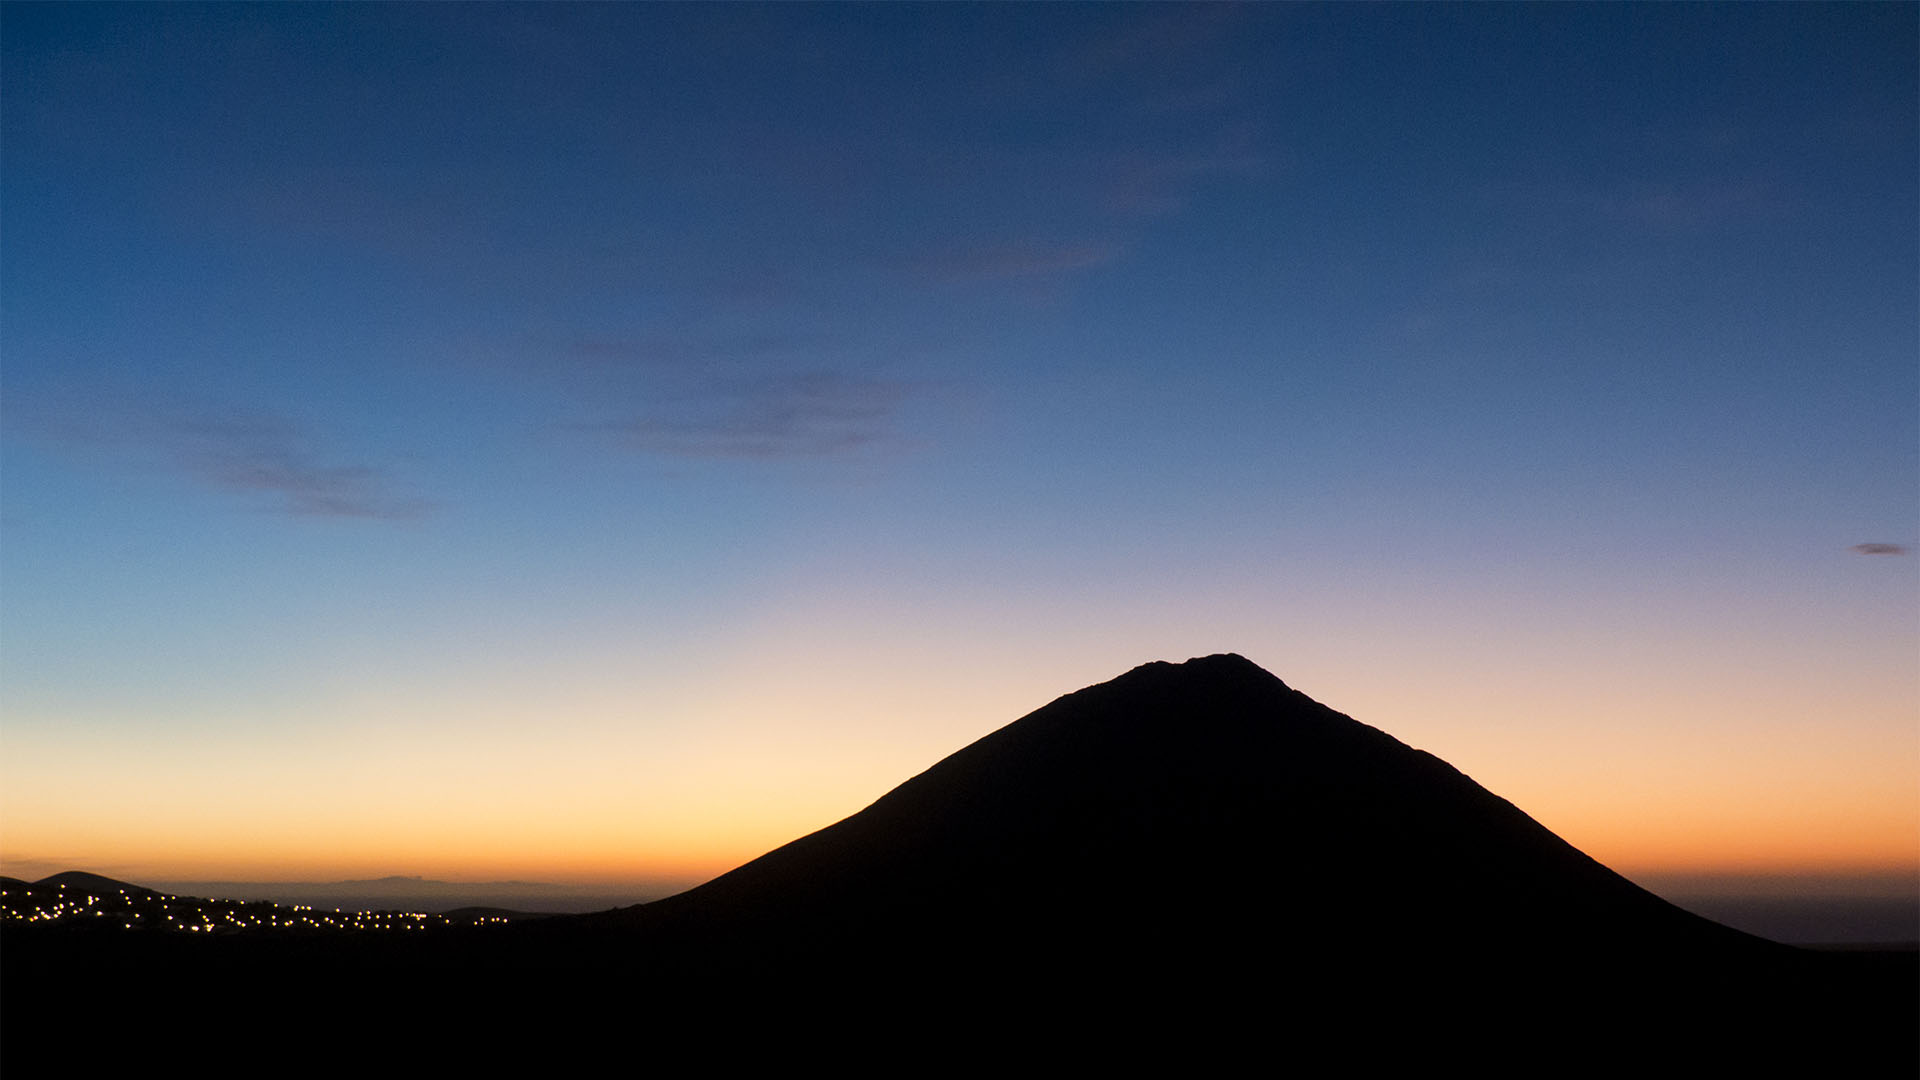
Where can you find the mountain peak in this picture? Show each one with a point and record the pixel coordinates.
(1172, 805)
(1213, 665)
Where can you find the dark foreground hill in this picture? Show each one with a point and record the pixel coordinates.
(1190, 865)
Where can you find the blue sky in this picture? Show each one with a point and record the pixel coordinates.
(552, 370)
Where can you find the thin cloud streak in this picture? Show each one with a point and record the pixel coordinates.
(1160, 185)
(813, 415)
(257, 456)
(1180, 39)
(240, 452)
(1878, 549)
(1016, 260)
(1668, 206)
(757, 396)
(673, 353)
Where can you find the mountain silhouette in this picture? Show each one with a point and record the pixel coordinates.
(1198, 855)
(1207, 794)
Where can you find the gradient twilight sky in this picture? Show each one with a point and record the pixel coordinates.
(602, 443)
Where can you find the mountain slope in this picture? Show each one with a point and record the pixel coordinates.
(1206, 792)
(1194, 862)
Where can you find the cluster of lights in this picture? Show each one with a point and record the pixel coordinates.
(158, 911)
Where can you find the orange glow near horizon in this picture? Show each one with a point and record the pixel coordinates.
(1730, 850)
(684, 836)
(1646, 777)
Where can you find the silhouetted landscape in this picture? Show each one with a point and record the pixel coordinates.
(539, 537)
(1190, 864)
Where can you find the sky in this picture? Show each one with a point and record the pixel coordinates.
(597, 444)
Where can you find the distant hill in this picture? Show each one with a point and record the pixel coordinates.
(426, 894)
(472, 913)
(80, 879)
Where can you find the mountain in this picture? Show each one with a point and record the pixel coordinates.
(1196, 852)
(1207, 792)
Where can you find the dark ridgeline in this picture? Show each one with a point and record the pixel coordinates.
(1190, 864)
(81, 881)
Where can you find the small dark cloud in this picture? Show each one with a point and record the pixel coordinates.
(818, 414)
(758, 395)
(267, 457)
(1878, 549)
(241, 452)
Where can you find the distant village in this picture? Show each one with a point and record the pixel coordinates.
(87, 899)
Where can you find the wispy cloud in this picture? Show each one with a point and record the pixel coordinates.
(1692, 206)
(1150, 40)
(665, 353)
(817, 414)
(762, 394)
(1878, 549)
(252, 455)
(1020, 259)
(1151, 185)
(1665, 206)
(246, 453)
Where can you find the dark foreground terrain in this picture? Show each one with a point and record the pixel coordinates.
(1190, 866)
